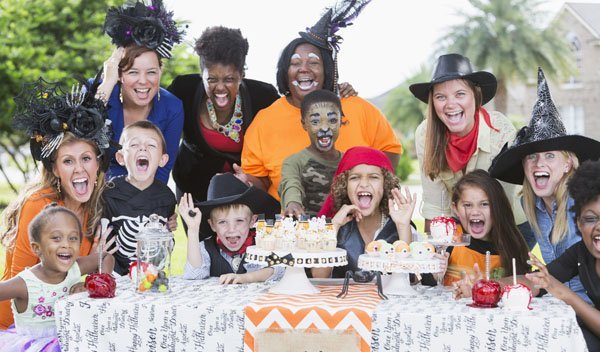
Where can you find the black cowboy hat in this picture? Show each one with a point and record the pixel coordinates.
(545, 132)
(225, 189)
(456, 66)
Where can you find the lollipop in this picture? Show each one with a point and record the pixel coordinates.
(486, 292)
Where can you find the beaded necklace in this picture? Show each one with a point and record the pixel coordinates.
(233, 128)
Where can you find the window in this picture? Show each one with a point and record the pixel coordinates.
(574, 119)
(576, 49)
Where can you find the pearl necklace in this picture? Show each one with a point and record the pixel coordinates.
(233, 128)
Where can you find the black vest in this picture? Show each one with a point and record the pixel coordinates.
(218, 264)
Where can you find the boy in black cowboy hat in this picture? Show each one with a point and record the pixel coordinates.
(228, 216)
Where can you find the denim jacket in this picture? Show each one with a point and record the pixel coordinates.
(552, 251)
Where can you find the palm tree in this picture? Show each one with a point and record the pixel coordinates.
(506, 37)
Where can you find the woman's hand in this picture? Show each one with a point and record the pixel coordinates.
(543, 279)
(100, 237)
(110, 74)
(344, 215)
(294, 209)
(111, 66)
(346, 90)
(402, 206)
(190, 214)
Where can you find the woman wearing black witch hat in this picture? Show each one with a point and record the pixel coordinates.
(542, 158)
(458, 135)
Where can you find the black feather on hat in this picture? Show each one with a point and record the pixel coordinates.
(151, 26)
(45, 113)
(324, 33)
(545, 132)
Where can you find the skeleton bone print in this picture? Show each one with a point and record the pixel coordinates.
(129, 227)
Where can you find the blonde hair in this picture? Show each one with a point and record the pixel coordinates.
(92, 208)
(436, 135)
(561, 194)
(225, 209)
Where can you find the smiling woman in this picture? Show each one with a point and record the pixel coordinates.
(72, 147)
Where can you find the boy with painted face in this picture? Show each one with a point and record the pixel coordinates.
(130, 199)
(306, 176)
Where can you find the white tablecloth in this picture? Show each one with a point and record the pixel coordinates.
(198, 315)
(436, 322)
(205, 316)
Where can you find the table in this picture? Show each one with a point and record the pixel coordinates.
(205, 316)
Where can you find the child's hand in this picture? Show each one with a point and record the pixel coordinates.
(402, 206)
(443, 261)
(295, 209)
(191, 215)
(109, 246)
(345, 214)
(78, 287)
(543, 279)
(227, 279)
(172, 223)
(463, 287)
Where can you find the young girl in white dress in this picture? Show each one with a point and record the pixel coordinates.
(55, 236)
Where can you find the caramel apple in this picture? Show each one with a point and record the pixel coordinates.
(100, 285)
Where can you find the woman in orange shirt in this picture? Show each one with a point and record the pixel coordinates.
(69, 136)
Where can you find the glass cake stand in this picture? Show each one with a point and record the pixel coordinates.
(440, 248)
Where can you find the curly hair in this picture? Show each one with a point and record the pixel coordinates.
(504, 233)
(584, 185)
(284, 64)
(222, 45)
(339, 190)
(93, 207)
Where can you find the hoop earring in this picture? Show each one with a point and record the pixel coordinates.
(58, 185)
(121, 95)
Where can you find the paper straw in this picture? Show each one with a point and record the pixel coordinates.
(514, 272)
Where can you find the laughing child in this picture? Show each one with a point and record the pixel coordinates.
(228, 215)
(307, 175)
(55, 235)
(130, 199)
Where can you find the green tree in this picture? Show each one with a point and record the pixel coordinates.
(402, 109)
(58, 40)
(507, 37)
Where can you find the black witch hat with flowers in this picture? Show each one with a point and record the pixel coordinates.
(46, 113)
(324, 33)
(151, 26)
(545, 132)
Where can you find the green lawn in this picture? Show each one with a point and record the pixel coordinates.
(177, 258)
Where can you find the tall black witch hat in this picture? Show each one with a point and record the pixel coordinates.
(324, 33)
(545, 132)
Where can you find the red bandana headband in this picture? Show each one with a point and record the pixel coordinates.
(353, 157)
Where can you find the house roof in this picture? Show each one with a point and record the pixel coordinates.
(588, 14)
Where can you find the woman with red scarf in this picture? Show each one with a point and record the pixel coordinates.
(458, 135)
